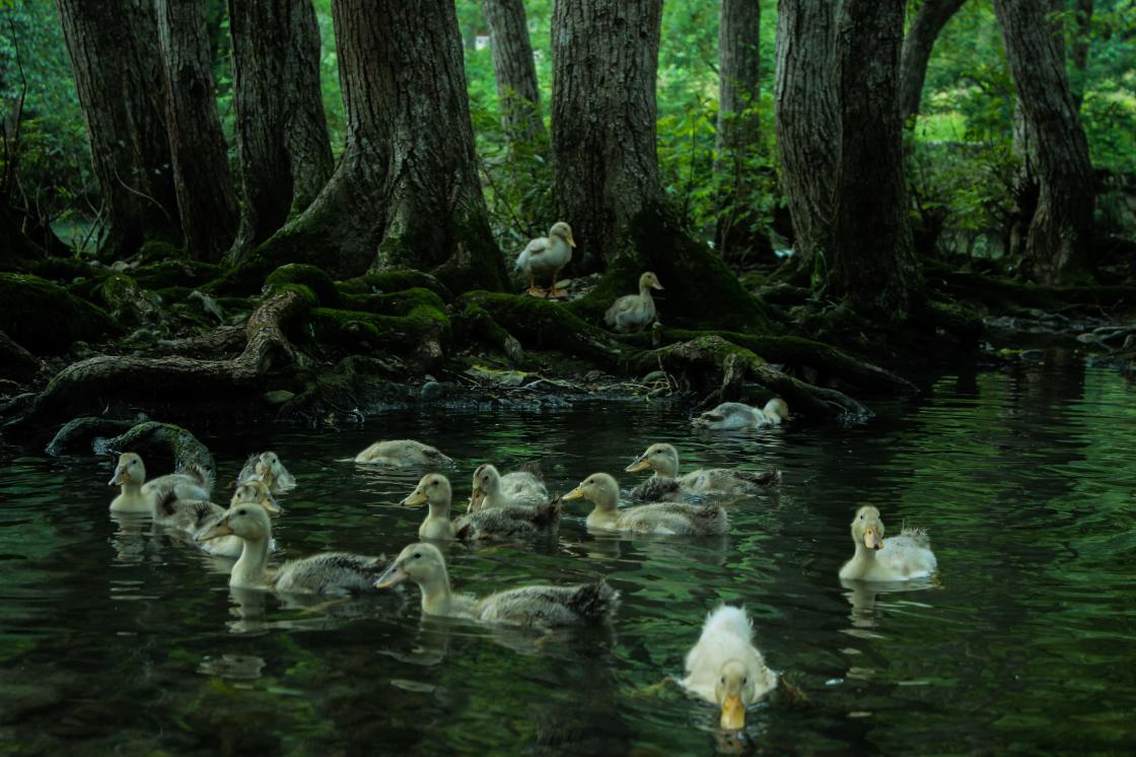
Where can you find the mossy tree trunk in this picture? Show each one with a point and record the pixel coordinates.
(118, 75)
(281, 130)
(808, 123)
(1060, 231)
(517, 89)
(739, 136)
(873, 265)
(207, 204)
(918, 43)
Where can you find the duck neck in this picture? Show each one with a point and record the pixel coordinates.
(249, 570)
(493, 498)
(667, 468)
(645, 293)
(439, 511)
(863, 559)
(436, 595)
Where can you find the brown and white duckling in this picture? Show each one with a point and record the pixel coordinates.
(507, 522)
(667, 485)
(137, 495)
(266, 466)
(403, 453)
(671, 518)
(736, 416)
(634, 312)
(525, 606)
(547, 256)
(898, 558)
(516, 489)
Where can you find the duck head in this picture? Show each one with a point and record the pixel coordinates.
(129, 470)
(649, 281)
(486, 482)
(421, 563)
(867, 528)
(661, 458)
(248, 521)
(732, 689)
(254, 492)
(564, 231)
(600, 489)
(433, 490)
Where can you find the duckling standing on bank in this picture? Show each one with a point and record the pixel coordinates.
(547, 256)
(526, 606)
(735, 416)
(403, 453)
(899, 558)
(669, 518)
(505, 522)
(724, 668)
(634, 312)
(667, 485)
(138, 495)
(517, 489)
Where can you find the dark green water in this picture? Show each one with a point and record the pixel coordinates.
(115, 637)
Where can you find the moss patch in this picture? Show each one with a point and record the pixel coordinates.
(309, 276)
(44, 318)
(394, 280)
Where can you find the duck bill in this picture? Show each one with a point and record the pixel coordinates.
(571, 241)
(576, 493)
(392, 576)
(270, 506)
(414, 499)
(733, 713)
(221, 529)
(476, 498)
(118, 478)
(639, 464)
(656, 285)
(872, 539)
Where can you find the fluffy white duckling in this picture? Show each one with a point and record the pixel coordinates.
(251, 492)
(517, 489)
(669, 518)
(266, 466)
(667, 485)
(734, 416)
(539, 605)
(506, 522)
(403, 453)
(898, 558)
(325, 573)
(547, 256)
(634, 312)
(137, 495)
(724, 668)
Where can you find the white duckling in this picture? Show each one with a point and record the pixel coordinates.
(506, 522)
(547, 256)
(724, 668)
(734, 416)
(634, 312)
(667, 485)
(899, 558)
(516, 489)
(539, 605)
(267, 467)
(403, 453)
(252, 492)
(670, 518)
(137, 495)
(325, 573)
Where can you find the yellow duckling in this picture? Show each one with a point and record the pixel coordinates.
(517, 489)
(667, 485)
(251, 492)
(899, 558)
(724, 668)
(671, 518)
(507, 522)
(634, 312)
(526, 606)
(137, 495)
(735, 416)
(403, 453)
(547, 256)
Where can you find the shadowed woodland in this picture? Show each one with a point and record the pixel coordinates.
(310, 211)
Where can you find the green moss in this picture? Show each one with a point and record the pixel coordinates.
(306, 293)
(174, 273)
(309, 276)
(126, 301)
(394, 280)
(156, 250)
(354, 328)
(44, 317)
(395, 303)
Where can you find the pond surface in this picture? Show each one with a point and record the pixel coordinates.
(117, 637)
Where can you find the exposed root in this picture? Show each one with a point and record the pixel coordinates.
(164, 446)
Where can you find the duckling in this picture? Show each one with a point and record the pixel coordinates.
(403, 453)
(900, 558)
(517, 489)
(547, 256)
(508, 522)
(674, 518)
(267, 467)
(525, 606)
(733, 416)
(634, 312)
(325, 573)
(140, 496)
(667, 485)
(724, 667)
(252, 492)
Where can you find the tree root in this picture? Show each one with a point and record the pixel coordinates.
(79, 434)
(163, 446)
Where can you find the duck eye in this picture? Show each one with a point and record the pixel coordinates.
(417, 555)
(723, 679)
(745, 679)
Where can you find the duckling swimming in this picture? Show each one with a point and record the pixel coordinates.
(137, 495)
(267, 467)
(634, 312)
(547, 256)
(507, 522)
(537, 605)
(734, 416)
(667, 485)
(898, 558)
(724, 668)
(671, 518)
(252, 492)
(517, 489)
(403, 453)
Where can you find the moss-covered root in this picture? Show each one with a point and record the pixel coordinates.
(712, 364)
(106, 379)
(163, 446)
(44, 318)
(78, 434)
(474, 322)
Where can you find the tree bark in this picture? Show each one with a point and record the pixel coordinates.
(118, 76)
(929, 21)
(738, 139)
(873, 265)
(285, 156)
(207, 204)
(605, 55)
(808, 122)
(517, 88)
(1057, 246)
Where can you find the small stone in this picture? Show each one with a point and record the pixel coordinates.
(278, 396)
(430, 391)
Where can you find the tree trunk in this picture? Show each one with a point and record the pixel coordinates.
(605, 55)
(933, 15)
(1081, 42)
(739, 64)
(206, 202)
(873, 258)
(1061, 228)
(118, 75)
(285, 156)
(808, 123)
(517, 88)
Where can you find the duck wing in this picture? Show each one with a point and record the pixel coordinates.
(550, 605)
(330, 573)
